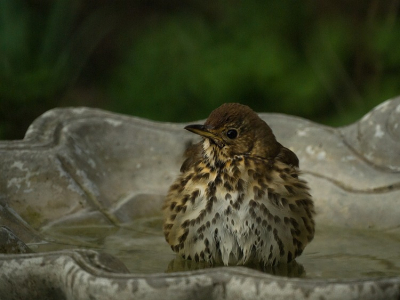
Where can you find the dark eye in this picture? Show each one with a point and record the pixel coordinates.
(232, 134)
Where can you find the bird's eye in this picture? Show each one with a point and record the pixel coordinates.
(232, 134)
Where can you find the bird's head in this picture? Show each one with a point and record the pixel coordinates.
(235, 129)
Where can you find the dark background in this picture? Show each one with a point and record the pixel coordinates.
(330, 61)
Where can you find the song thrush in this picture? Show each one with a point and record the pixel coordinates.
(239, 198)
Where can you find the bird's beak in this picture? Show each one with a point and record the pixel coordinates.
(205, 131)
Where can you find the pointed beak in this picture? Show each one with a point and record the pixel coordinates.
(206, 132)
(201, 130)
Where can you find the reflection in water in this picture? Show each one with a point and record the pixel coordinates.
(292, 269)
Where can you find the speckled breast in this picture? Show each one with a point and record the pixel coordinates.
(250, 210)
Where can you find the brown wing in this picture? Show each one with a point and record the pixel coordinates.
(288, 157)
(192, 155)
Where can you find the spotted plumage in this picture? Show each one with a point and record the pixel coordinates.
(239, 198)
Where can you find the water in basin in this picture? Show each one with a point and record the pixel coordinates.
(334, 253)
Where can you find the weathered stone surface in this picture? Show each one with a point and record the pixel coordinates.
(81, 166)
(70, 275)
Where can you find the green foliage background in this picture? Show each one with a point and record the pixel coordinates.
(329, 61)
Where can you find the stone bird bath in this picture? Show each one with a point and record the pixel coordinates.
(80, 200)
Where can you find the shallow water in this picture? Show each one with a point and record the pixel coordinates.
(352, 253)
(334, 253)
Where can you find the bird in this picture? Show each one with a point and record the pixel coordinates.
(239, 198)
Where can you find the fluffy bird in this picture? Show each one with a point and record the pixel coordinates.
(239, 198)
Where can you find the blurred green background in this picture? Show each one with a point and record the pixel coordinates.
(330, 61)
